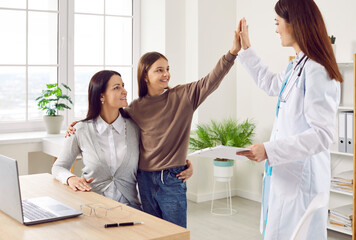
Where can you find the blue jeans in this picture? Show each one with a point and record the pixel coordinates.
(135, 206)
(164, 195)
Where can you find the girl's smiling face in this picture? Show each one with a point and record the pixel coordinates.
(157, 77)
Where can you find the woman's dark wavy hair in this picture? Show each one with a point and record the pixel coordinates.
(144, 65)
(97, 86)
(310, 32)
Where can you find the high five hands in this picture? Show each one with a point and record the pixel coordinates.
(258, 151)
(241, 38)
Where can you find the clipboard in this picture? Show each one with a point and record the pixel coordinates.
(220, 152)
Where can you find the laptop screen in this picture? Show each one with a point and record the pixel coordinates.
(36, 210)
(10, 200)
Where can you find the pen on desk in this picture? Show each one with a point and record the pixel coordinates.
(121, 224)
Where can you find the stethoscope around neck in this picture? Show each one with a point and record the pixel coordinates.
(283, 96)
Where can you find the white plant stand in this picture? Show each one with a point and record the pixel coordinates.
(223, 174)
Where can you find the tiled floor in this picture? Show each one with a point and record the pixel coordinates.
(242, 226)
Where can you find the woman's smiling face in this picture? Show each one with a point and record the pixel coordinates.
(285, 30)
(115, 93)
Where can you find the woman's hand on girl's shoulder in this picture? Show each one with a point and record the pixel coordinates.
(71, 130)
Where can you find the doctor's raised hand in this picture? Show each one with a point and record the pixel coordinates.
(257, 153)
(243, 33)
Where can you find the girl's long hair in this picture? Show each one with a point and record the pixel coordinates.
(144, 65)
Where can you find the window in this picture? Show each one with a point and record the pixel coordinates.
(28, 57)
(103, 28)
(61, 41)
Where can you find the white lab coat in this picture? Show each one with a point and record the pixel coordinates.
(299, 146)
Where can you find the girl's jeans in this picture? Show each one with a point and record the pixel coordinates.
(164, 195)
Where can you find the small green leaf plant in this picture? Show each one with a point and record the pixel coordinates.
(51, 99)
(332, 39)
(228, 132)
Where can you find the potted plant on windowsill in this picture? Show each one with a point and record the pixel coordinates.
(52, 100)
(228, 132)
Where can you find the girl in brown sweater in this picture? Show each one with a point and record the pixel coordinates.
(164, 116)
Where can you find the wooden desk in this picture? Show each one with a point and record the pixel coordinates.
(85, 227)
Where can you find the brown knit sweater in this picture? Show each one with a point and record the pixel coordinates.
(165, 120)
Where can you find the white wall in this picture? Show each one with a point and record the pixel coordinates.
(31, 159)
(20, 152)
(163, 30)
(340, 19)
(216, 22)
(153, 28)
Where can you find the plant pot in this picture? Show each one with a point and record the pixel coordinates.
(53, 123)
(223, 170)
(334, 48)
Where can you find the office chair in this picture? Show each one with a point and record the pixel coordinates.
(72, 168)
(301, 231)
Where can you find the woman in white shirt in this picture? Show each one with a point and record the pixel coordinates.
(108, 143)
(298, 157)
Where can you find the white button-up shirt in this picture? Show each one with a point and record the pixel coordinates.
(112, 140)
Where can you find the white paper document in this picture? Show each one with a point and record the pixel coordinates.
(220, 152)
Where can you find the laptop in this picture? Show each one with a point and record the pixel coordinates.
(30, 211)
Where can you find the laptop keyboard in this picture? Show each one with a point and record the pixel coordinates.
(34, 212)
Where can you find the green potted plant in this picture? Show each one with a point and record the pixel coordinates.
(52, 100)
(228, 132)
(333, 45)
(332, 39)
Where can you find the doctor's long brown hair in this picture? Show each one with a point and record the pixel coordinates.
(310, 32)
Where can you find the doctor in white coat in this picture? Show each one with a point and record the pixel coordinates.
(297, 156)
